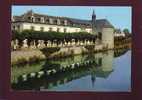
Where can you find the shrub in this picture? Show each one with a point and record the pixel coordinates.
(59, 36)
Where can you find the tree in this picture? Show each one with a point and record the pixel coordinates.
(127, 33)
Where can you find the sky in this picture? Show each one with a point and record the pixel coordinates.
(119, 17)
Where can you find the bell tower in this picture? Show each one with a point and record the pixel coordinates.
(93, 22)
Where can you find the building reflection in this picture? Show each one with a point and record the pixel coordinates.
(56, 72)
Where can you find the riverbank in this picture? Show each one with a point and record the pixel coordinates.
(35, 55)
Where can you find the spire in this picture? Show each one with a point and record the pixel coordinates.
(93, 22)
(93, 12)
(94, 15)
(30, 12)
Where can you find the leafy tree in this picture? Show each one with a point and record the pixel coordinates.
(59, 36)
(126, 31)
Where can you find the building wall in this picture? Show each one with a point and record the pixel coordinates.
(46, 27)
(17, 26)
(108, 37)
(107, 33)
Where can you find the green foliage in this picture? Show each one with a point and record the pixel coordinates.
(90, 47)
(119, 52)
(59, 36)
(126, 31)
(48, 51)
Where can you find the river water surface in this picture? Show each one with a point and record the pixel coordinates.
(107, 71)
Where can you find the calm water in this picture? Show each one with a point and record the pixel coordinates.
(107, 71)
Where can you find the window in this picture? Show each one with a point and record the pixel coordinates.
(32, 28)
(58, 21)
(50, 29)
(18, 27)
(58, 29)
(47, 20)
(14, 28)
(100, 35)
(38, 19)
(42, 29)
(29, 18)
(62, 22)
(50, 20)
(65, 30)
(65, 22)
(42, 19)
(55, 22)
(32, 19)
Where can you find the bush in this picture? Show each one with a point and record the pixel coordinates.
(48, 51)
(59, 36)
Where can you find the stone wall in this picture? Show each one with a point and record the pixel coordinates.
(37, 54)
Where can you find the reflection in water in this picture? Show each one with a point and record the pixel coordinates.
(56, 74)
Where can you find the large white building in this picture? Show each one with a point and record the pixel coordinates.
(41, 22)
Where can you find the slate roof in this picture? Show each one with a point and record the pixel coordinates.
(100, 23)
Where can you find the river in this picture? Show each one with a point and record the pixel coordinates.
(106, 71)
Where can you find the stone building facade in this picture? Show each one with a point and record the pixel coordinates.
(40, 22)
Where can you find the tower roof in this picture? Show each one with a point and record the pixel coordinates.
(94, 12)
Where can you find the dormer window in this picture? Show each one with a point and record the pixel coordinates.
(38, 19)
(55, 21)
(42, 19)
(29, 18)
(65, 22)
(58, 21)
(50, 20)
(32, 19)
(47, 20)
(62, 22)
